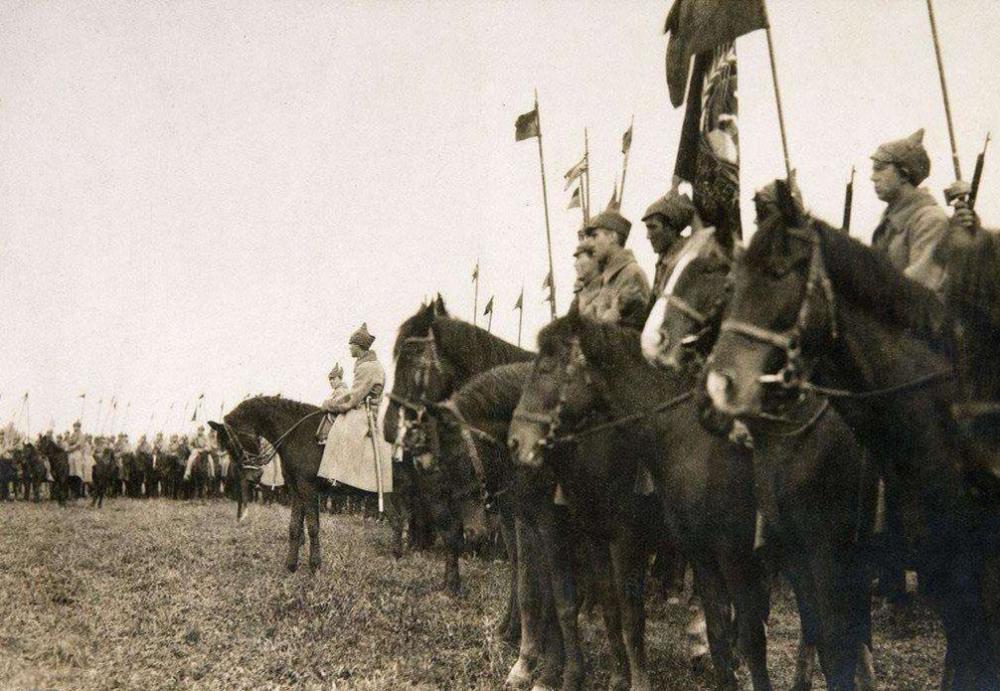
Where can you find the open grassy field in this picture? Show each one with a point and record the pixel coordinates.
(166, 595)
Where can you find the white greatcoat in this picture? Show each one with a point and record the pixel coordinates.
(349, 456)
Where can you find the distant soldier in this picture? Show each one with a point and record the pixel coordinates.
(665, 220)
(588, 276)
(74, 444)
(913, 223)
(624, 291)
(197, 445)
(144, 446)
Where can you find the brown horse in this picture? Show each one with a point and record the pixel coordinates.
(290, 428)
(103, 477)
(813, 305)
(704, 483)
(58, 466)
(813, 482)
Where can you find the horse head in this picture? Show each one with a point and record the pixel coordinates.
(684, 322)
(560, 393)
(243, 446)
(781, 316)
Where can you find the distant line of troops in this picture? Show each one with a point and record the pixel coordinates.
(84, 450)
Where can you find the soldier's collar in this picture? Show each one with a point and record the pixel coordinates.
(616, 264)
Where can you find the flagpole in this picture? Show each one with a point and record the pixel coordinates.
(545, 201)
(621, 190)
(944, 92)
(27, 413)
(586, 180)
(489, 323)
(83, 407)
(520, 316)
(777, 91)
(475, 294)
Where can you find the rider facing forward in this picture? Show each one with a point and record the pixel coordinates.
(369, 377)
(913, 223)
(624, 288)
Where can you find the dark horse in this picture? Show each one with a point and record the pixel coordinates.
(58, 466)
(32, 471)
(290, 427)
(704, 483)
(104, 474)
(812, 479)
(813, 305)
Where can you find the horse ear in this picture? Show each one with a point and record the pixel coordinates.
(789, 200)
(216, 426)
(439, 309)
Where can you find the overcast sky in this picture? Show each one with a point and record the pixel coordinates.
(209, 197)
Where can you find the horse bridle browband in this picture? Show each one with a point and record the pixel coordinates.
(792, 374)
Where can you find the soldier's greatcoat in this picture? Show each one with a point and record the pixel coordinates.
(623, 295)
(911, 229)
(349, 456)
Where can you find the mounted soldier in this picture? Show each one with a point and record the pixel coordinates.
(913, 223)
(624, 288)
(339, 390)
(74, 444)
(588, 275)
(355, 453)
(198, 445)
(665, 220)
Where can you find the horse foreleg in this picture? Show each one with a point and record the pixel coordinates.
(749, 590)
(311, 500)
(599, 554)
(454, 539)
(295, 533)
(509, 628)
(529, 600)
(563, 659)
(629, 570)
(710, 585)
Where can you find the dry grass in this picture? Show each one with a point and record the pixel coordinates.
(165, 595)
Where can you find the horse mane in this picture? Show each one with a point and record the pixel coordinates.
(493, 394)
(419, 323)
(864, 277)
(600, 339)
(471, 348)
(253, 407)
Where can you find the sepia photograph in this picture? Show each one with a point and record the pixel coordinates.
(541, 345)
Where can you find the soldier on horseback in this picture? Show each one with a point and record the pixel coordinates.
(588, 274)
(913, 223)
(339, 390)
(624, 289)
(665, 220)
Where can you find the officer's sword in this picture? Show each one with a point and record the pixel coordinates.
(377, 453)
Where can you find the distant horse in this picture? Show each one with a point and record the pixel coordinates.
(290, 427)
(32, 471)
(704, 483)
(170, 468)
(198, 484)
(104, 473)
(9, 477)
(813, 483)
(813, 305)
(58, 466)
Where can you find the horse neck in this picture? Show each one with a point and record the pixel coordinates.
(912, 428)
(275, 423)
(477, 351)
(632, 384)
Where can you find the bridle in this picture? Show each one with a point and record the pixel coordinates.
(253, 462)
(793, 373)
(553, 421)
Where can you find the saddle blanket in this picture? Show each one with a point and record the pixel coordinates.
(349, 457)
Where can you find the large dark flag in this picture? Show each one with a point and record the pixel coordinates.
(708, 156)
(526, 125)
(699, 26)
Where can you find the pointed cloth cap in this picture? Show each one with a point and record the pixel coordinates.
(361, 337)
(611, 220)
(909, 155)
(676, 208)
(337, 371)
(77, 424)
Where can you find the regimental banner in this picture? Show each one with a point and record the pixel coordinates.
(709, 153)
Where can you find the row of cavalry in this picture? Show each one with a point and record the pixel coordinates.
(607, 446)
(27, 469)
(841, 369)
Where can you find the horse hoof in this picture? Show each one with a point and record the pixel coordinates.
(519, 676)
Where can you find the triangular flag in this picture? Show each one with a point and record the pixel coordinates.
(627, 140)
(574, 201)
(475, 272)
(614, 204)
(526, 125)
(547, 283)
(83, 395)
(576, 171)
(519, 305)
(489, 307)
